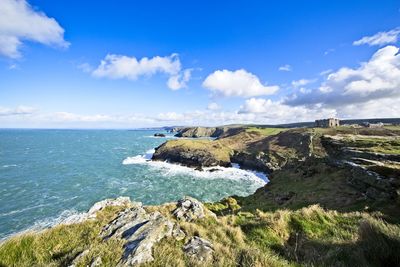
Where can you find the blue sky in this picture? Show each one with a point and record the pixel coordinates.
(186, 63)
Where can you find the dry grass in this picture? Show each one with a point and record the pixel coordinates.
(308, 236)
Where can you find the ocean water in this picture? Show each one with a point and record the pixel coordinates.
(49, 174)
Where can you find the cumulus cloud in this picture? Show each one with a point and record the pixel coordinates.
(273, 111)
(213, 106)
(20, 22)
(380, 38)
(376, 79)
(124, 67)
(237, 83)
(286, 67)
(371, 90)
(20, 110)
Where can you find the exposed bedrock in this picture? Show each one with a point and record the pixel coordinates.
(141, 230)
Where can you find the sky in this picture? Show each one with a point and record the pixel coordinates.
(132, 64)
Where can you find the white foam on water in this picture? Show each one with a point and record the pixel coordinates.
(9, 165)
(160, 137)
(22, 210)
(140, 159)
(168, 169)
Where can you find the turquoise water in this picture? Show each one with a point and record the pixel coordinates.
(48, 174)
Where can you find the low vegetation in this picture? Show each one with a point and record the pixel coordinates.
(59, 245)
(303, 237)
(265, 131)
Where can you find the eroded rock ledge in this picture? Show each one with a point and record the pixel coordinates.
(140, 229)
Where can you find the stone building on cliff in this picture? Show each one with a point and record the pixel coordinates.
(327, 123)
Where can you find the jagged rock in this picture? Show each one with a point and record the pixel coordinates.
(188, 156)
(159, 135)
(91, 214)
(141, 230)
(120, 201)
(199, 248)
(177, 233)
(189, 209)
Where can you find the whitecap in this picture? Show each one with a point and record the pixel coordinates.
(160, 137)
(22, 210)
(9, 165)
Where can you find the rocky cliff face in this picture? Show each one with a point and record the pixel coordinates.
(215, 132)
(369, 165)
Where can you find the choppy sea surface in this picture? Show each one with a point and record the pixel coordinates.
(46, 175)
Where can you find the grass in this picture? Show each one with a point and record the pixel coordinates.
(314, 236)
(59, 245)
(266, 131)
(379, 145)
(310, 236)
(217, 148)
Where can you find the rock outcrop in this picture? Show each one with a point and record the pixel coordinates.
(189, 209)
(199, 248)
(215, 132)
(91, 214)
(141, 230)
(189, 155)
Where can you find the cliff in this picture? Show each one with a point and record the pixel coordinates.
(215, 132)
(342, 168)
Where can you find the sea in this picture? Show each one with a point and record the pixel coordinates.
(49, 175)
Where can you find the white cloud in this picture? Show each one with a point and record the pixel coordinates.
(20, 110)
(124, 67)
(237, 83)
(179, 81)
(301, 82)
(376, 79)
(325, 72)
(20, 22)
(213, 106)
(286, 67)
(380, 38)
(372, 90)
(277, 112)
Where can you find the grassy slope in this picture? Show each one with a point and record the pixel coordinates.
(58, 246)
(303, 237)
(265, 131)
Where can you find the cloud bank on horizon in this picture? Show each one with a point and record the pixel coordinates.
(231, 94)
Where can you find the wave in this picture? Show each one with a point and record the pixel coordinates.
(140, 159)
(22, 210)
(218, 172)
(9, 165)
(161, 137)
